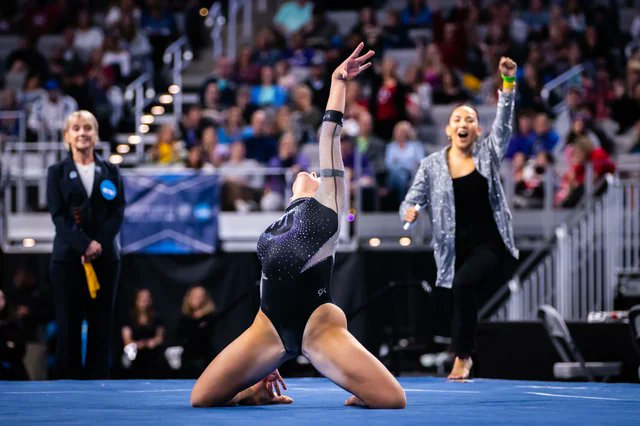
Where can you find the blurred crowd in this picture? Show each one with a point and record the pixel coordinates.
(261, 110)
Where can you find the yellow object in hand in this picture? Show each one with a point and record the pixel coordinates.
(92, 280)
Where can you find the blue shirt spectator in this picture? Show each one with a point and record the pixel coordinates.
(293, 15)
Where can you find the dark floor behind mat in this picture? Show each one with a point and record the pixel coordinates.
(523, 351)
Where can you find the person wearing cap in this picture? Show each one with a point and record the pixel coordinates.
(49, 112)
(86, 201)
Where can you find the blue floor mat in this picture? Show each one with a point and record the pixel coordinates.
(318, 401)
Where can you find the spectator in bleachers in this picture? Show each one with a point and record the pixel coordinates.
(195, 331)
(76, 85)
(260, 143)
(136, 43)
(160, 26)
(264, 50)
(394, 34)
(189, 125)
(283, 122)
(119, 9)
(368, 29)
(529, 178)
(48, 113)
(546, 137)
(307, 114)
(232, 125)
(143, 335)
(573, 101)
(212, 109)
(212, 152)
(9, 127)
(243, 102)
(625, 110)
(27, 53)
(318, 82)
(166, 150)
(365, 181)
(432, 65)
(320, 31)
(371, 146)
(267, 92)
(452, 43)
(31, 91)
(450, 90)
(15, 76)
(292, 16)
(529, 89)
(299, 55)
(583, 153)
(241, 185)
(223, 77)
(107, 100)
(416, 14)
(86, 37)
(357, 102)
(285, 77)
(402, 157)
(536, 17)
(289, 158)
(246, 71)
(584, 125)
(522, 141)
(195, 158)
(387, 100)
(115, 56)
(419, 95)
(12, 344)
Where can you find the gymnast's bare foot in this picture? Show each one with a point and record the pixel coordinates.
(355, 401)
(461, 369)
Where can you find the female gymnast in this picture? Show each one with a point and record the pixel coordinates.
(461, 190)
(296, 313)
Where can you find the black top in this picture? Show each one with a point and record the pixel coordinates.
(196, 336)
(475, 224)
(146, 331)
(100, 216)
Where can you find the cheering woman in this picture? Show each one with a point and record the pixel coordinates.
(460, 188)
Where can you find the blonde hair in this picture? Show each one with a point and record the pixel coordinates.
(208, 306)
(86, 116)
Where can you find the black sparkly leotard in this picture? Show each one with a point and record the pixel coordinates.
(297, 251)
(297, 260)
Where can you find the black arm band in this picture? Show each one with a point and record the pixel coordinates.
(333, 116)
(331, 173)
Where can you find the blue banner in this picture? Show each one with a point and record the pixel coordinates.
(170, 213)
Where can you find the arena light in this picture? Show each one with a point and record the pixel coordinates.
(405, 241)
(150, 92)
(204, 11)
(166, 99)
(174, 89)
(147, 119)
(374, 242)
(123, 149)
(143, 128)
(134, 139)
(115, 159)
(157, 110)
(187, 55)
(28, 243)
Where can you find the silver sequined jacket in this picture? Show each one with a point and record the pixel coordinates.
(432, 189)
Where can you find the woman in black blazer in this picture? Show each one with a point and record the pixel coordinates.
(86, 201)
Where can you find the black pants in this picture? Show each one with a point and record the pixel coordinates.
(474, 267)
(72, 305)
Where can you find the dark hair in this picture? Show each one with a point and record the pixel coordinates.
(464, 104)
(151, 310)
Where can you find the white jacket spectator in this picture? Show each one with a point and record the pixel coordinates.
(49, 113)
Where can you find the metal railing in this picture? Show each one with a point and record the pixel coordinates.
(138, 95)
(176, 58)
(562, 82)
(216, 21)
(577, 272)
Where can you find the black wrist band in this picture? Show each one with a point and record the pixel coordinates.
(331, 173)
(333, 116)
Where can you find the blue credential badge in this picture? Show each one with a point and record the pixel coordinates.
(108, 190)
(73, 174)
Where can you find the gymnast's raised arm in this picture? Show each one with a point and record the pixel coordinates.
(332, 192)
